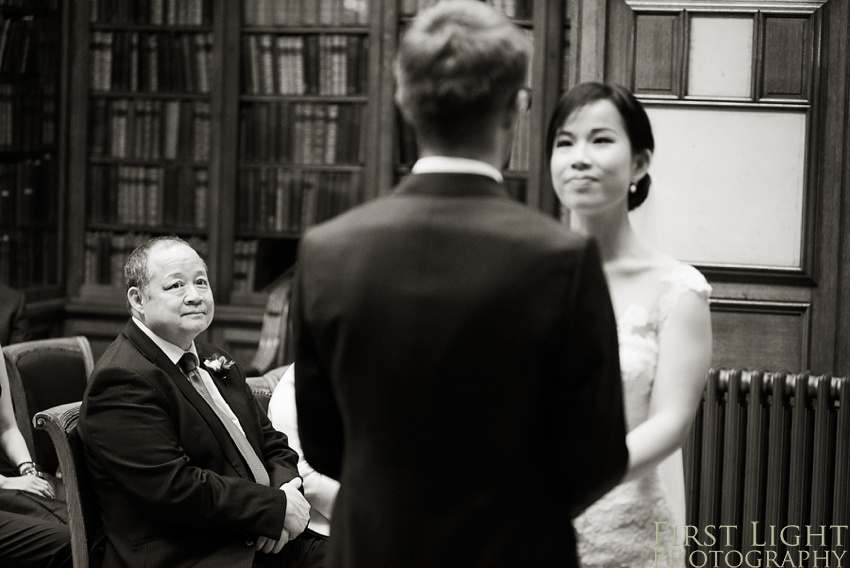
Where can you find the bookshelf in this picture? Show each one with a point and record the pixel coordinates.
(145, 157)
(31, 46)
(303, 105)
(238, 124)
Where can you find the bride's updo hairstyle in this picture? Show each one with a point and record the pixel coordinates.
(634, 116)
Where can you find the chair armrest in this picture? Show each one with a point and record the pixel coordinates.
(60, 423)
(61, 417)
(267, 382)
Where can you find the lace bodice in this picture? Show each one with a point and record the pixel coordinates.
(619, 529)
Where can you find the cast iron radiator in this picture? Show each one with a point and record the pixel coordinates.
(772, 449)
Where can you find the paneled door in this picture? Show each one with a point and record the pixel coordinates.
(749, 106)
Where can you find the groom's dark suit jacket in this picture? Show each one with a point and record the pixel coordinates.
(458, 371)
(172, 488)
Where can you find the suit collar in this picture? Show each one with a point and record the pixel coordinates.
(451, 185)
(455, 165)
(173, 352)
(157, 357)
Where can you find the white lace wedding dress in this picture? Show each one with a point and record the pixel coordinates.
(618, 531)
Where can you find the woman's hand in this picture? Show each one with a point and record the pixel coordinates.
(29, 483)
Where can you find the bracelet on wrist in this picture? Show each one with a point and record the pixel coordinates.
(29, 468)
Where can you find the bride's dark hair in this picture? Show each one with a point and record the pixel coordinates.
(638, 127)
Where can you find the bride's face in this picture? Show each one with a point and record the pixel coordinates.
(592, 163)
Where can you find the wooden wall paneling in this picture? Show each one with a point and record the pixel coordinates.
(786, 57)
(620, 44)
(830, 348)
(658, 54)
(380, 86)
(754, 334)
(223, 179)
(836, 18)
(387, 141)
(586, 53)
(78, 63)
(549, 20)
(814, 36)
(62, 139)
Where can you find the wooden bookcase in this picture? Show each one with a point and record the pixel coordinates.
(147, 148)
(294, 99)
(303, 115)
(31, 104)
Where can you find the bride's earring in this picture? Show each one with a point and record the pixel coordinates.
(632, 187)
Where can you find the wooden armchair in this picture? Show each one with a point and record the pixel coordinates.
(60, 424)
(275, 348)
(42, 374)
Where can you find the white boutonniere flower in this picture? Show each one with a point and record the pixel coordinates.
(218, 365)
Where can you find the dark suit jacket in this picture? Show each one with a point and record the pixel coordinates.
(14, 325)
(172, 488)
(458, 371)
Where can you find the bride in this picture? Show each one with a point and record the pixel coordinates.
(600, 145)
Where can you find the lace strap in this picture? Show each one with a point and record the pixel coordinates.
(683, 279)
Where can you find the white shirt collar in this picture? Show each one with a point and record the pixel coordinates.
(453, 165)
(171, 351)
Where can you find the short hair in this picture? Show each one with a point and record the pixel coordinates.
(136, 269)
(635, 119)
(456, 62)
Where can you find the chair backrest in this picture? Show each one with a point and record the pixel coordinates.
(275, 347)
(44, 373)
(263, 386)
(60, 425)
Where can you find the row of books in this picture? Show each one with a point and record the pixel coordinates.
(31, 4)
(24, 41)
(512, 8)
(26, 193)
(150, 62)
(244, 265)
(148, 196)
(107, 252)
(27, 116)
(148, 129)
(305, 12)
(408, 152)
(156, 12)
(311, 64)
(302, 133)
(282, 200)
(29, 259)
(521, 152)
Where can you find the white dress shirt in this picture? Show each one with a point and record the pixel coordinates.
(174, 353)
(452, 165)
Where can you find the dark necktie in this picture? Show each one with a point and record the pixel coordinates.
(188, 363)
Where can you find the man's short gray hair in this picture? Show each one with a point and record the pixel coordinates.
(136, 269)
